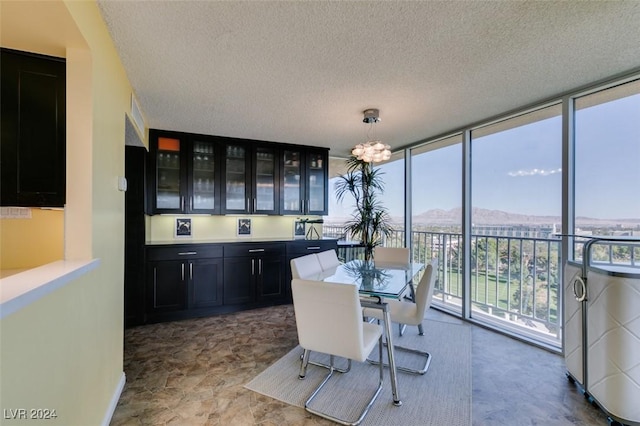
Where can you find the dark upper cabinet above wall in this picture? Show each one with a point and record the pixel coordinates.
(251, 176)
(304, 180)
(33, 109)
(191, 173)
(183, 173)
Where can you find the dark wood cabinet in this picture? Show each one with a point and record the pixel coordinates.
(205, 276)
(167, 289)
(198, 174)
(184, 173)
(181, 277)
(270, 283)
(189, 280)
(33, 110)
(304, 180)
(254, 273)
(239, 280)
(317, 181)
(251, 177)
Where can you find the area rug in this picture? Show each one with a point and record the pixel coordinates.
(442, 396)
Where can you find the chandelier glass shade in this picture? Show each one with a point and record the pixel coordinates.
(372, 151)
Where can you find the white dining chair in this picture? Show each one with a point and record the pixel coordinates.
(398, 257)
(391, 256)
(409, 313)
(307, 266)
(328, 260)
(329, 320)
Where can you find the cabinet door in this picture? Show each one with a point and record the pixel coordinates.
(203, 177)
(206, 282)
(316, 181)
(265, 184)
(168, 172)
(33, 105)
(239, 280)
(236, 197)
(166, 289)
(292, 182)
(270, 278)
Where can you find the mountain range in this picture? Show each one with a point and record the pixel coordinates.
(498, 217)
(482, 216)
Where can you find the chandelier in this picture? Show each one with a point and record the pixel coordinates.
(372, 151)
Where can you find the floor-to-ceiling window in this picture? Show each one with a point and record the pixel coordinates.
(607, 172)
(436, 204)
(392, 173)
(516, 200)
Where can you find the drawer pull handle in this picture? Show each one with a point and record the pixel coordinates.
(187, 253)
(313, 248)
(256, 250)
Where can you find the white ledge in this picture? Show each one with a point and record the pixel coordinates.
(20, 290)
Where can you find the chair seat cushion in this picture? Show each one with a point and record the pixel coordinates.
(370, 335)
(399, 311)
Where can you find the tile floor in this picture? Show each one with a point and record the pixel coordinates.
(192, 372)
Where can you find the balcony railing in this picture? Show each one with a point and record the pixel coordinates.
(515, 281)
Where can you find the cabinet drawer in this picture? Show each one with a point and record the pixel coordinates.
(310, 246)
(254, 249)
(184, 252)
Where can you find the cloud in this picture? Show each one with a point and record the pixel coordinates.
(535, 172)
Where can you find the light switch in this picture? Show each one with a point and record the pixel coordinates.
(122, 183)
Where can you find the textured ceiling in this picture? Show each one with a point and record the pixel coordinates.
(302, 72)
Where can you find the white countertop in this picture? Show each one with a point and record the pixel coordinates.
(21, 288)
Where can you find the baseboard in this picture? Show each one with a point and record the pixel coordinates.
(114, 401)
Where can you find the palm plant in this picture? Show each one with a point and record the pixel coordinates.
(370, 220)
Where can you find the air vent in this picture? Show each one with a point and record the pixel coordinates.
(137, 115)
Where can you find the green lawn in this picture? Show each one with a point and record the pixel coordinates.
(486, 290)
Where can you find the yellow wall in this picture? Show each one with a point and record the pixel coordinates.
(27, 243)
(65, 351)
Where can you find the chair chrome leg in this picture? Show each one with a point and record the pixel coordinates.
(319, 364)
(423, 370)
(420, 330)
(364, 411)
(303, 364)
(401, 328)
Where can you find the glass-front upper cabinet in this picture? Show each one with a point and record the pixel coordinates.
(292, 181)
(236, 178)
(169, 174)
(184, 174)
(316, 181)
(251, 177)
(265, 179)
(204, 178)
(303, 181)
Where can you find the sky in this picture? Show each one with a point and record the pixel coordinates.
(519, 170)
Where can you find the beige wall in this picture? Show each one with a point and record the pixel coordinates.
(160, 228)
(65, 351)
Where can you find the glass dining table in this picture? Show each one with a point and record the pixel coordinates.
(375, 283)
